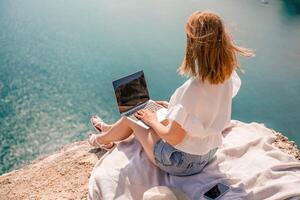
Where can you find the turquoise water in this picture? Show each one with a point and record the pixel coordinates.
(57, 60)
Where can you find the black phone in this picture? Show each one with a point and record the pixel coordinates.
(216, 191)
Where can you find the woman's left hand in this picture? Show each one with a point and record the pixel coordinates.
(146, 116)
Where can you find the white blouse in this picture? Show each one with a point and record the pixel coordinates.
(203, 110)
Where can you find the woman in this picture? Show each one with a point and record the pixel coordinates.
(198, 110)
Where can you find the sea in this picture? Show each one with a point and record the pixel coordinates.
(58, 60)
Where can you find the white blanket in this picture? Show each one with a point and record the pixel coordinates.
(246, 161)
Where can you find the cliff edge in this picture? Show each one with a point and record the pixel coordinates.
(65, 174)
(62, 175)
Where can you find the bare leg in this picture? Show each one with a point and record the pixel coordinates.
(123, 128)
(147, 138)
(117, 132)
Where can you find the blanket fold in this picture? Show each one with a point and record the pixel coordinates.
(247, 161)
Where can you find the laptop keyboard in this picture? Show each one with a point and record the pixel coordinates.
(152, 106)
(149, 106)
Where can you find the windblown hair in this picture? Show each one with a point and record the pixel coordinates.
(210, 52)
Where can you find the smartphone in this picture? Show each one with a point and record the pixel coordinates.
(217, 191)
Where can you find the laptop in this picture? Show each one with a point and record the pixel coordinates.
(132, 95)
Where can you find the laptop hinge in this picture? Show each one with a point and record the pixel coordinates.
(134, 108)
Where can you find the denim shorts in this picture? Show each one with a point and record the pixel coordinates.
(179, 163)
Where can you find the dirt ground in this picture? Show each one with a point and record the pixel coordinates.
(65, 174)
(62, 175)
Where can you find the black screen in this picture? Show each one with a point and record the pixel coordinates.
(131, 91)
(216, 191)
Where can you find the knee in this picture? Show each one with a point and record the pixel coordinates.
(124, 119)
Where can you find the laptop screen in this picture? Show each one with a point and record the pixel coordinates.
(131, 91)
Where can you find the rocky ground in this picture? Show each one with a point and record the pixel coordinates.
(65, 174)
(284, 144)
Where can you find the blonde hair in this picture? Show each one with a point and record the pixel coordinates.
(210, 52)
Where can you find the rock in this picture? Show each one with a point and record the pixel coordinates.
(65, 174)
(286, 146)
(62, 175)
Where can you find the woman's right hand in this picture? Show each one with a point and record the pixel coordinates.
(163, 103)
